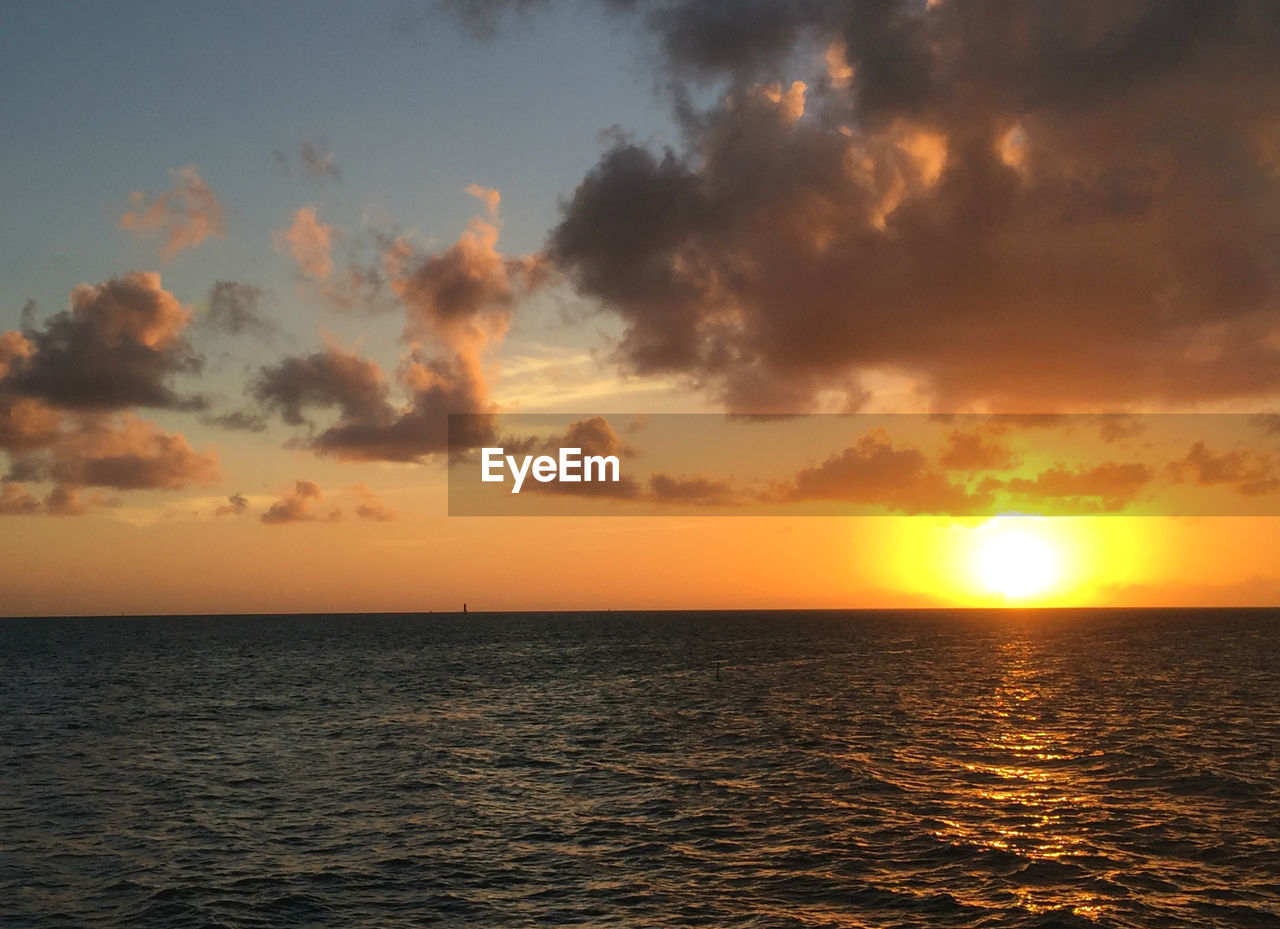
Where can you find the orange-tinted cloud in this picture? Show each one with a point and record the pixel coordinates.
(309, 242)
(120, 344)
(295, 506)
(457, 305)
(973, 451)
(69, 501)
(125, 453)
(370, 507)
(691, 491)
(1251, 473)
(236, 505)
(15, 501)
(184, 216)
(1107, 487)
(873, 472)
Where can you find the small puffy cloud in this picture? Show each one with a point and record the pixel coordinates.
(309, 242)
(234, 310)
(236, 505)
(118, 345)
(972, 451)
(326, 379)
(295, 506)
(370, 507)
(318, 162)
(1251, 473)
(594, 436)
(183, 217)
(873, 472)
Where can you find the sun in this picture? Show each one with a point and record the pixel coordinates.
(1017, 558)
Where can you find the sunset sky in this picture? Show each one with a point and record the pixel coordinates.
(253, 254)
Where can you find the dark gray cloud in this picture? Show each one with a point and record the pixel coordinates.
(234, 308)
(332, 378)
(239, 420)
(1022, 205)
(318, 162)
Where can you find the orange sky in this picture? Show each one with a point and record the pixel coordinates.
(240, 293)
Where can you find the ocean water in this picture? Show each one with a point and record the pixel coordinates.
(1063, 768)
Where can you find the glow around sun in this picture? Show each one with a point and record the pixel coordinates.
(1017, 557)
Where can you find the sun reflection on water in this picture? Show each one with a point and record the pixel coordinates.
(1017, 794)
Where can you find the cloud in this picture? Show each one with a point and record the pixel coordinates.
(240, 420)
(873, 472)
(309, 242)
(326, 379)
(594, 436)
(118, 345)
(15, 501)
(184, 216)
(1107, 487)
(60, 501)
(972, 451)
(458, 304)
(125, 453)
(14, 349)
(295, 506)
(1019, 207)
(236, 505)
(233, 309)
(26, 423)
(318, 162)
(66, 501)
(691, 491)
(1251, 473)
(370, 507)
(463, 295)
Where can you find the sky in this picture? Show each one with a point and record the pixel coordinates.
(253, 255)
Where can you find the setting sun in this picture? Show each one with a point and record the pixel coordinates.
(1016, 559)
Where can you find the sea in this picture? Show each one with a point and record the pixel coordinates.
(1037, 768)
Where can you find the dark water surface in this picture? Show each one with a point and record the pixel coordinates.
(1067, 768)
